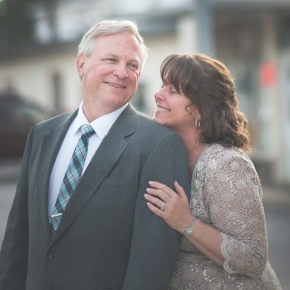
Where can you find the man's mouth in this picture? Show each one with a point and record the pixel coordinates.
(115, 85)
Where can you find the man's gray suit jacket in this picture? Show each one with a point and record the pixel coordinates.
(107, 238)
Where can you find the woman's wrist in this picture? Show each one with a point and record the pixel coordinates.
(188, 228)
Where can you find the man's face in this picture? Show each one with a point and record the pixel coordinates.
(110, 75)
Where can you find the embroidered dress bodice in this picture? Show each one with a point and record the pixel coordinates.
(226, 194)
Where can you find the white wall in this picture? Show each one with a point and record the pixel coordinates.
(283, 158)
(32, 78)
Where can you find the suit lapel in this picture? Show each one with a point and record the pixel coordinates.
(49, 149)
(100, 166)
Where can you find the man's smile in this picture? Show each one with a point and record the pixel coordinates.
(115, 85)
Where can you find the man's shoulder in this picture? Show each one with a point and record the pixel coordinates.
(147, 125)
(56, 120)
(53, 123)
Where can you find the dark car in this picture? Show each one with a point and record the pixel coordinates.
(17, 116)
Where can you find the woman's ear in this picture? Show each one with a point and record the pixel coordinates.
(198, 115)
(195, 112)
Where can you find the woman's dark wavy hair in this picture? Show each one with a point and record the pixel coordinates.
(208, 83)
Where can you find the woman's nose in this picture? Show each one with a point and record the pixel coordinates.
(159, 95)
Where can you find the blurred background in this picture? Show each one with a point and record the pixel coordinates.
(38, 79)
(38, 48)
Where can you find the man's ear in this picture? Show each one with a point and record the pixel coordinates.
(80, 64)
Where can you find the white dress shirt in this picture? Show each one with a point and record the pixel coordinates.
(101, 126)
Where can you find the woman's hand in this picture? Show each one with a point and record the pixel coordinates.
(175, 211)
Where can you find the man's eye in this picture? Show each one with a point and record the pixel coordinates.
(133, 66)
(110, 59)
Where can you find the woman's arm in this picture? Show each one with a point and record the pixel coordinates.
(233, 196)
(234, 199)
(177, 215)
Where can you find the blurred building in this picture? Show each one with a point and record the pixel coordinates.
(250, 36)
(17, 116)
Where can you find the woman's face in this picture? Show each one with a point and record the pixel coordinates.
(172, 110)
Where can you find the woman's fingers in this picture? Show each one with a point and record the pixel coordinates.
(158, 193)
(161, 187)
(155, 201)
(156, 210)
(172, 207)
(179, 189)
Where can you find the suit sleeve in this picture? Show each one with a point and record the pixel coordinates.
(14, 250)
(155, 245)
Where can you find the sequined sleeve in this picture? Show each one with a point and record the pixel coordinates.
(235, 205)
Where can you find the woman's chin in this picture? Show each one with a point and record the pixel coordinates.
(160, 121)
(156, 119)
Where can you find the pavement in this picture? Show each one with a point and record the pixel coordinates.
(279, 195)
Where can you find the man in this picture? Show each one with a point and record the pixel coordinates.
(95, 232)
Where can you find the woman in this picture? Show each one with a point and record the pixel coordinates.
(225, 242)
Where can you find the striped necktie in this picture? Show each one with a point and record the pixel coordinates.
(71, 177)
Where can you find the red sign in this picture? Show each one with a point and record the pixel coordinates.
(268, 74)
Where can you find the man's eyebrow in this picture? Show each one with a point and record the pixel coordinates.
(116, 56)
(110, 55)
(135, 60)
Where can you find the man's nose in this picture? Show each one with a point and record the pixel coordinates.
(121, 71)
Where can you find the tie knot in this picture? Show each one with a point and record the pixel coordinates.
(87, 130)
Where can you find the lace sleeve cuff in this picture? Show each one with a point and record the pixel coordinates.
(226, 255)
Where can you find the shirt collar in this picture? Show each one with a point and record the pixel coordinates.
(101, 125)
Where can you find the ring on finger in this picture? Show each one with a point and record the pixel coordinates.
(162, 205)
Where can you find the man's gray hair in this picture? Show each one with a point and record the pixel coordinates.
(108, 27)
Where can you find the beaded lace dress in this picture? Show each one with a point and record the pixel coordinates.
(226, 194)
